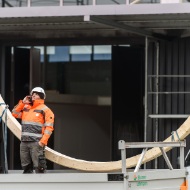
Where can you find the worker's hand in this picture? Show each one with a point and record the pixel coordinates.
(41, 144)
(27, 100)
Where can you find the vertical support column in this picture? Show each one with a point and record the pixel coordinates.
(123, 155)
(2, 92)
(2, 70)
(28, 3)
(94, 2)
(157, 97)
(61, 2)
(146, 90)
(157, 89)
(44, 67)
(12, 102)
(123, 160)
(127, 2)
(182, 164)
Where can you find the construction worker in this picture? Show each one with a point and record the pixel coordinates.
(37, 125)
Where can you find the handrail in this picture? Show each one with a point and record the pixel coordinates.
(122, 145)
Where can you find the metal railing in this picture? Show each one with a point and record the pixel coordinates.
(31, 3)
(122, 145)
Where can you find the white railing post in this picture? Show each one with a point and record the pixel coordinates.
(127, 2)
(61, 2)
(29, 3)
(94, 2)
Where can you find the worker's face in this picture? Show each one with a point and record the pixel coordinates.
(35, 96)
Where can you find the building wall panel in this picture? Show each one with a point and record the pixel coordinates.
(173, 60)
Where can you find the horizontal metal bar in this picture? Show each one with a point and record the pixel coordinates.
(154, 144)
(169, 76)
(168, 92)
(171, 116)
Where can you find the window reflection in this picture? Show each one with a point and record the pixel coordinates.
(78, 53)
(102, 52)
(61, 54)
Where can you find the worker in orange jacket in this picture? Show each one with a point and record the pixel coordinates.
(37, 125)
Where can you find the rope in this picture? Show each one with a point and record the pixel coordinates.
(4, 131)
(3, 111)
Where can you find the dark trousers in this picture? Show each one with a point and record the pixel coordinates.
(29, 155)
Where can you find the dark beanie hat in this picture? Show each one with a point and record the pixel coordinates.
(41, 95)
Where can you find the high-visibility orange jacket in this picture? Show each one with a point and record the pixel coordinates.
(37, 121)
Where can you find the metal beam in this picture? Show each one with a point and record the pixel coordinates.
(131, 29)
(4, 2)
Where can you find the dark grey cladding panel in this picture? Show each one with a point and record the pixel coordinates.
(174, 60)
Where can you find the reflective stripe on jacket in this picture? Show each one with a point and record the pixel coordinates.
(37, 121)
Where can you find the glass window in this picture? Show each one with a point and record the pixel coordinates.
(58, 53)
(102, 52)
(80, 53)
